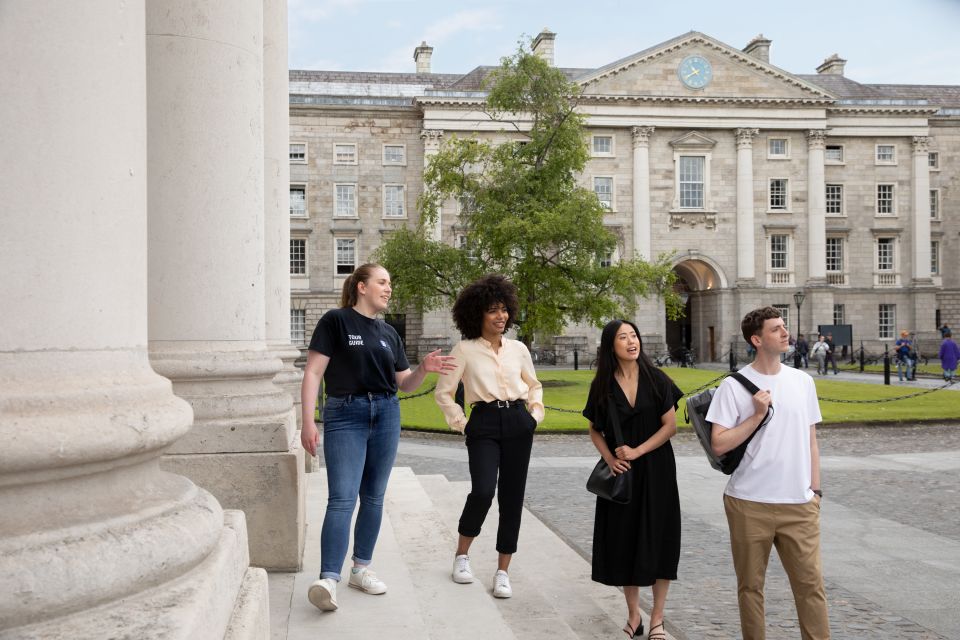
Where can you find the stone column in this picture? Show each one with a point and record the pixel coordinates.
(920, 185)
(206, 270)
(432, 138)
(642, 245)
(816, 209)
(276, 190)
(746, 261)
(96, 541)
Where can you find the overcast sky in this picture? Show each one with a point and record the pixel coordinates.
(884, 41)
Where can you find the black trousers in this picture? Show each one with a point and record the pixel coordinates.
(498, 444)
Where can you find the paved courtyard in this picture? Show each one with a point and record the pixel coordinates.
(891, 530)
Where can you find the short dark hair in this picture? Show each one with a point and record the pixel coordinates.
(947, 334)
(479, 296)
(752, 323)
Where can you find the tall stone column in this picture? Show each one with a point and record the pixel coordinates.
(96, 541)
(432, 138)
(746, 258)
(642, 245)
(276, 191)
(206, 270)
(816, 209)
(920, 185)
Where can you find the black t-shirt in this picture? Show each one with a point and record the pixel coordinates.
(365, 353)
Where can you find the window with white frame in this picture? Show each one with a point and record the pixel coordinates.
(345, 200)
(833, 154)
(886, 154)
(345, 153)
(298, 200)
(834, 253)
(933, 160)
(779, 194)
(466, 203)
(885, 200)
(779, 252)
(298, 152)
(602, 145)
(345, 258)
(784, 310)
(298, 256)
(298, 326)
(834, 200)
(935, 257)
(886, 265)
(778, 148)
(692, 182)
(393, 201)
(464, 244)
(886, 321)
(603, 187)
(839, 314)
(394, 154)
(935, 204)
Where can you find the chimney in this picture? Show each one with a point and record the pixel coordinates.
(832, 66)
(759, 48)
(421, 55)
(543, 45)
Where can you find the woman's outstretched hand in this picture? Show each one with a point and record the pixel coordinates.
(436, 363)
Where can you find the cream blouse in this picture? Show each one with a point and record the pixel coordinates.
(488, 376)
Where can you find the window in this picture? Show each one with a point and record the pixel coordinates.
(345, 154)
(464, 244)
(779, 194)
(603, 187)
(298, 256)
(346, 200)
(393, 201)
(691, 182)
(466, 203)
(886, 321)
(778, 148)
(933, 160)
(298, 152)
(298, 326)
(886, 154)
(779, 252)
(394, 154)
(346, 256)
(839, 314)
(602, 145)
(934, 257)
(834, 153)
(886, 258)
(834, 200)
(885, 200)
(784, 310)
(298, 201)
(935, 204)
(834, 251)
(606, 260)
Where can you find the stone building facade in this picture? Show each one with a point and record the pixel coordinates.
(760, 182)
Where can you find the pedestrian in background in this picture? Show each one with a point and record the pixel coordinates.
(949, 355)
(803, 350)
(905, 355)
(819, 353)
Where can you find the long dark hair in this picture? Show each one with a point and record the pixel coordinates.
(608, 365)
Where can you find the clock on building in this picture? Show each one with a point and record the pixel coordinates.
(695, 72)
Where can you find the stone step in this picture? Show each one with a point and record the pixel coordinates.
(553, 594)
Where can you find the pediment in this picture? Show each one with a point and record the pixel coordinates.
(652, 73)
(693, 140)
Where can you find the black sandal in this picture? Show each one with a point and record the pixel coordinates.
(631, 632)
(657, 635)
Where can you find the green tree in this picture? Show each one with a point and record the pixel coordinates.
(523, 214)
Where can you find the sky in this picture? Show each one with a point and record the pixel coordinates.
(884, 41)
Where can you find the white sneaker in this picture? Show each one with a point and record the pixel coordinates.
(462, 574)
(501, 585)
(366, 581)
(323, 594)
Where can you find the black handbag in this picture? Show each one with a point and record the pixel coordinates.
(602, 482)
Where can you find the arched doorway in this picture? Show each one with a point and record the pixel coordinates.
(699, 282)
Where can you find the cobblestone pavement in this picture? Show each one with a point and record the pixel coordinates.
(702, 603)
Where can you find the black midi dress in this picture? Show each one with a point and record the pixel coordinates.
(638, 543)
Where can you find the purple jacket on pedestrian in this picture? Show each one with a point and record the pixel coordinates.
(949, 354)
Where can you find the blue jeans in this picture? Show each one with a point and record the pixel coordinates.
(360, 437)
(904, 363)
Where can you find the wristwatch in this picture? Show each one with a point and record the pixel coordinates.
(818, 492)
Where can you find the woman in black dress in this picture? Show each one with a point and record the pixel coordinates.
(637, 544)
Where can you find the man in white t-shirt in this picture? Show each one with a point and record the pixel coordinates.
(773, 498)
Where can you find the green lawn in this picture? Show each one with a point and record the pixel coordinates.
(564, 389)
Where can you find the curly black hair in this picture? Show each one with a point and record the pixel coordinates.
(479, 296)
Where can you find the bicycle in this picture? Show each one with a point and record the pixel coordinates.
(663, 360)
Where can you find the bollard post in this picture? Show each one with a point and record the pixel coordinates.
(733, 358)
(886, 365)
(863, 362)
(576, 360)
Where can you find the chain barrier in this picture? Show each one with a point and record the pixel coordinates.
(881, 400)
(418, 395)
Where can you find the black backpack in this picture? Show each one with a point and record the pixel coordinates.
(696, 414)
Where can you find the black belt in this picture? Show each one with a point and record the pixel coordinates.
(368, 395)
(499, 404)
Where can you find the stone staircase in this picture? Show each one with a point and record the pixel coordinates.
(553, 594)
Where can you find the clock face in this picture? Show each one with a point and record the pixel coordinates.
(695, 72)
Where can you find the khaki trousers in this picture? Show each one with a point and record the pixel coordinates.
(795, 530)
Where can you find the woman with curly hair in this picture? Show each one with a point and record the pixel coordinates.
(507, 404)
(637, 544)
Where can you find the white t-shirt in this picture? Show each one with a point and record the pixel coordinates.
(776, 465)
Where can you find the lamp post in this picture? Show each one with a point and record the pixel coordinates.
(797, 358)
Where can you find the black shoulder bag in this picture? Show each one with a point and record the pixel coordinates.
(602, 482)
